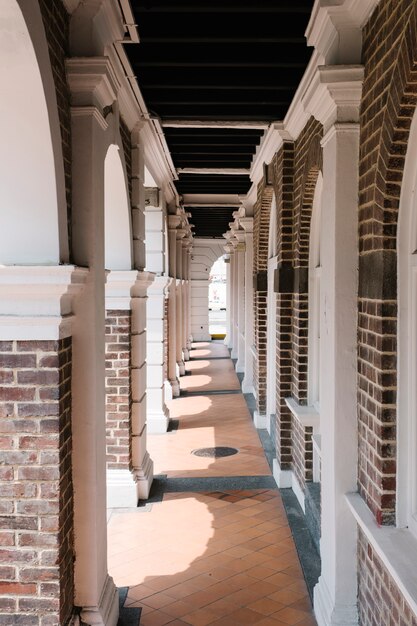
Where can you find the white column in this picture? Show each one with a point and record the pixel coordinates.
(124, 486)
(228, 325)
(247, 383)
(179, 304)
(157, 412)
(142, 464)
(173, 223)
(188, 304)
(335, 102)
(240, 252)
(235, 294)
(185, 349)
(95, 591)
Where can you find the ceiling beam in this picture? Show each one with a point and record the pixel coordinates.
(213, 170)
(215, 124)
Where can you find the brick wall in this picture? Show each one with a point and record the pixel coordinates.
(379, 599)
(56, 24)
(118, 389)
(36, 496)
(302, 452)
(260, 239)
(283, 187)
(390, 95)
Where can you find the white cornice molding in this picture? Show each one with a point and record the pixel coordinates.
(335, 28)
(36, 302)
(271, 143)
(119, 285)
(92, 81)
(247, 224)
(335, 94)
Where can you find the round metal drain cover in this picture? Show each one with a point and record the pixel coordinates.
(215, 453)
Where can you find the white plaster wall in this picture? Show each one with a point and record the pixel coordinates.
(204, 253)
(29, 221)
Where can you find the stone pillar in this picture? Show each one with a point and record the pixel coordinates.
(157, 412)
(228, 303)
(180, 233)
(185, 297)
(173, 223)
(240, 255)
(188, 303)
(154, 231)
(247, 224)
(141, 463)
(92, 90)
(235, 295)
(335, 102)
(129, 468)
(36, 488)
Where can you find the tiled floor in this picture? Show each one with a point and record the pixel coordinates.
(222, 558)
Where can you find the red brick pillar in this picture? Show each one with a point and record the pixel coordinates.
(36, 489)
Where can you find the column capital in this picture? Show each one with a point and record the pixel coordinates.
(173, 222)
(247, 224)
(180, 232)
(123, 285)
(92, 81)
(36, 302)
(334, 94)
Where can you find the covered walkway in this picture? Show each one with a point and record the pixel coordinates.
(212, 545)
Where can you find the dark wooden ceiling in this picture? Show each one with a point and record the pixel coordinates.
(218, 60)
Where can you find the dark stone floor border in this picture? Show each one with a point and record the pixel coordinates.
(306, 549)
(214, 392)
(207, 358)
(127, 616)
(162, 484)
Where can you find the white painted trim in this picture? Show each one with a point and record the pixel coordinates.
(396, 547)
(119, 285)
(283, 478)
(92, 80)
(308, 416)
(213, 170)
(325, 611)
(121, 489)
(216, 124)
(299, 493)
(36, 302)
(107, 612)
(259, 420)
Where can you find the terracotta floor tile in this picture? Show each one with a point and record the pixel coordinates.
(218, 558)
(244, 616)
(265, 606)
(201, 617)
(290, 616)
(157, 618)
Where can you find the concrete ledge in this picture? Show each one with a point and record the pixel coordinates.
(396, 547)
(121, 489)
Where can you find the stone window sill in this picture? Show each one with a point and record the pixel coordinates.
(396, 547)
(308, 416)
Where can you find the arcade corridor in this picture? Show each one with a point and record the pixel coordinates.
(218, 546)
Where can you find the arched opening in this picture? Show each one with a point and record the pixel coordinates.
(29, 231)
(217, 300)
(271, 372)
(407, 369)
(118, 240)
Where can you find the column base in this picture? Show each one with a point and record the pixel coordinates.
(283, 478)
(327, 614)
(240, 367)
(247, 385)
(189, 344)
(260, 421)
(175, 386)
(144, 477)
(107, 613)
(181, 368)
(157, 423)
(121, 489)
(185, 354)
